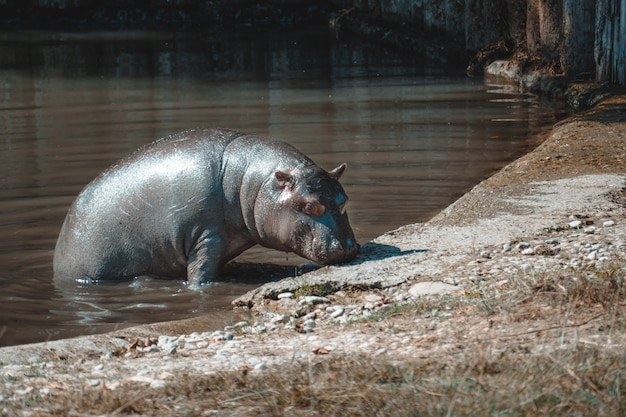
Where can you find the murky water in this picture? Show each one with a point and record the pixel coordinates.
(415, 136)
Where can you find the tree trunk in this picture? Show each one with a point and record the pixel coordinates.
(579, 17)
(533, 38)
(610, 48)
(551, 30)
(517, 10)
(485, 22)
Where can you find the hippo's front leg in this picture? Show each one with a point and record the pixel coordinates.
(205, 261)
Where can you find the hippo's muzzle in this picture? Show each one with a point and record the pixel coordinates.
(337, 252)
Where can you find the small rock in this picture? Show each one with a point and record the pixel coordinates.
(373, 298)
(98, 368)
(313, 300)
(260, 367)
(431, 288)
(338, 312)
(310, 316)
(285, 295)
(608, 223)
(169, 348)
(528, 251)
(451, 281)
(280, 318)
(589, 230)
(575, 224)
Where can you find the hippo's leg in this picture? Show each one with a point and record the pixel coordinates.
(205, 261)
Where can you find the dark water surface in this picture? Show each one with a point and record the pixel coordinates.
(415, 136)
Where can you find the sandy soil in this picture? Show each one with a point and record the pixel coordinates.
(578, 172)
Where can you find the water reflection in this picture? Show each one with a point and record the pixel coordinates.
(415, 138)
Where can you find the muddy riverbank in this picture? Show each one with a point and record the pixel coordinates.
(520, 280)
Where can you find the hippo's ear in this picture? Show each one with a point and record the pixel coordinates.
(337, 172)
(284, 179)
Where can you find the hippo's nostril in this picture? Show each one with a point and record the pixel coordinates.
(351, 245)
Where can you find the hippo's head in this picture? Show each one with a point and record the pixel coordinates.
(304, 211)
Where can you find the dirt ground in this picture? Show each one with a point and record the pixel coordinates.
(508, 302)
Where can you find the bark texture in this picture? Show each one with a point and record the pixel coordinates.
(577, 38)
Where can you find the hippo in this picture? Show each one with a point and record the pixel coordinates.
(184, 205)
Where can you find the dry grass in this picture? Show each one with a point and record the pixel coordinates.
(580, 382)
(560, 353)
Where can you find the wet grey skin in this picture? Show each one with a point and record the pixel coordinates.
(184, 205)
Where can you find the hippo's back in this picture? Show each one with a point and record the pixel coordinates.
(140, 216)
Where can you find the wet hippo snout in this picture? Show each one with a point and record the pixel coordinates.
(351, 247)
(339, 252)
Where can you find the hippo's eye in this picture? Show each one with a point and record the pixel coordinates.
(312, 209)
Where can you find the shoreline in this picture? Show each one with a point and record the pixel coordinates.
(512, 179)
(560, 207)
